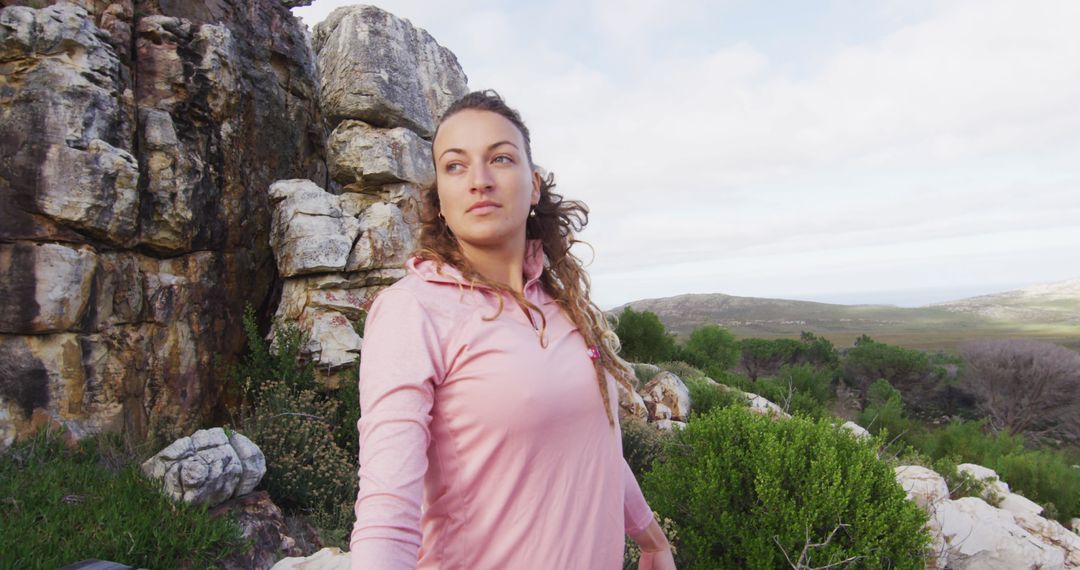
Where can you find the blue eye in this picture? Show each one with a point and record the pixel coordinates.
(451, 167)
(507, 157)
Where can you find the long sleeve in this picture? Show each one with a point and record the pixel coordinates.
(637, 515)
(399, 366)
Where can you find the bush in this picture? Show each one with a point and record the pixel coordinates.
(746, 491)
(884, 412)
(306, 431)
(800, 389)
(705, 396)
(714, 345)
(61, 506)
(906, 370)
(642, 444)
(760, 357)
(643, 337)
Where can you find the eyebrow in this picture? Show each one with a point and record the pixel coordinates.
(490, 148)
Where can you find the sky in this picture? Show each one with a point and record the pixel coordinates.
(899, 152)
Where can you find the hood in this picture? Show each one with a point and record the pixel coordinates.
(426, 269)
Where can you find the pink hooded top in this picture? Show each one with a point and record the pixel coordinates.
(479, 449)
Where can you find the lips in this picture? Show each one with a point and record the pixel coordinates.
(483, 206)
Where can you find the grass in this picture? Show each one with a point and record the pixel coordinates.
(59, 506)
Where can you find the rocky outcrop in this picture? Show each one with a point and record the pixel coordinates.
(970, 533)
(208, 467)
(380, 69)
(384, 84)
(137, 140)
(667, 398)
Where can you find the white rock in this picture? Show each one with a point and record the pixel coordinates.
(922, 485)
(760, 405)
(202, 468)
(1020, 504)
(360, 153)
(982, 537)
(1051, 532)
(857, 430)
(382, 70)
(252, 462)
(326, 559)
(668, 390)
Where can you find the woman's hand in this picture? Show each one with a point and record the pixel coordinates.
(659, 560)
(655, 549)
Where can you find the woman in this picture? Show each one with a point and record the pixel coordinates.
(488, 433)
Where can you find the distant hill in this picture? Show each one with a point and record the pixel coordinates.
(1050, 311)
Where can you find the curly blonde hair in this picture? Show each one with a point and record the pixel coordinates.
(555, 223)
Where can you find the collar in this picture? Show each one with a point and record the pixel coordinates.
(427, 269)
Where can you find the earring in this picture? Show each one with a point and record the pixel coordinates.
(441, 217)
(532, 212)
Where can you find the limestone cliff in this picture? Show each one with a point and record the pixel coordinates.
(137, 142)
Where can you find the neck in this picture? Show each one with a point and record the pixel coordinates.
(503, 264)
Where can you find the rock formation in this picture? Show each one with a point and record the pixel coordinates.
(384, 83)
(137, 140)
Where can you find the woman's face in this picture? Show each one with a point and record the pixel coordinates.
(485, 182)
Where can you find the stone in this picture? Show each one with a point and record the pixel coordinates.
(330, 558)
(206, 468)
(982, 537)
(371, 157)
(922, 485)
(380, 69)
(1019, 504)
(630, 402)
(252, 463)
(661, 412)
(1053, 533)
(857, 430)
(262, 522)
(929, 490)
(762, 406)
(669, 425)
(667, 389)
(385, 239)
(46, 286)
(335, 341)
(310, 233)
(646, 370)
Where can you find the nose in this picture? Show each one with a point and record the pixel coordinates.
(480, 178)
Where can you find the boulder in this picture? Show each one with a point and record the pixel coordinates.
(666, 389)
(760, 405)
(857, 430)
(1051, 532)
(330, 558)
(982, 537)
(380, 69)
(929, 490)
(362, 157)
(310, 234)
(630, 402)
(206, 468)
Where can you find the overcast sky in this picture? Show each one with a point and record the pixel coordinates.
(849, 151)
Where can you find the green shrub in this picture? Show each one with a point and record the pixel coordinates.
(746, 491)
(60, 506)
(304, 429)
(884, 411)
(643, 337)
(684, 370)
(803, 389)
(906, 369)
(705, 396)
(715, 345)
(642, 444)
